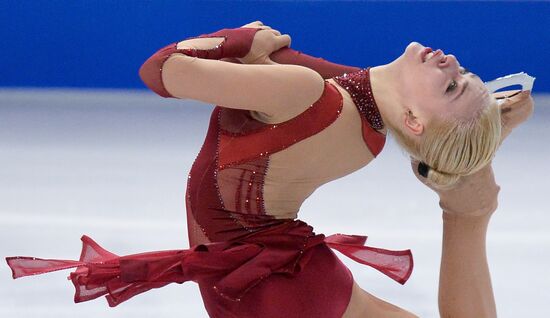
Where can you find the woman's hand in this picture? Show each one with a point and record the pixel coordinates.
(266, 41)
(514, 110)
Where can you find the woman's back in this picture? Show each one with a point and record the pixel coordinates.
(249, 169)
(283, 131)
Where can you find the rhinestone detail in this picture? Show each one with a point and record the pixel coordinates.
(358, 86)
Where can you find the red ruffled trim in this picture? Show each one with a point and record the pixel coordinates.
(236, 266)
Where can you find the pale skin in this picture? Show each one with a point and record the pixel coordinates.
(276, 93)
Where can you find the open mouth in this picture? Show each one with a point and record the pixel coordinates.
(429, 54)
(426, 54)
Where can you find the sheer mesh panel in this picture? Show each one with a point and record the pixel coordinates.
(195, 233)
(397, 265)
(241, 187)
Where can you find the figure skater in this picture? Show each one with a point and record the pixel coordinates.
(278, 133)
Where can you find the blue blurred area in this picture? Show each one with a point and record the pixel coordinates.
(77, 43)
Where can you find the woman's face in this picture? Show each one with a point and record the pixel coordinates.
(435, 85)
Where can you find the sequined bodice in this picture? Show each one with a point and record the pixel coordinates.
(225, 188)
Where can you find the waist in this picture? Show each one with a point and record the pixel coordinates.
(235, 266)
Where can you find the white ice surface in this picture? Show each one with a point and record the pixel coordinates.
(113, 164)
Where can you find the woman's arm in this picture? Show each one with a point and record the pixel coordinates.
(465, 288)
(190, 69)
(325, 68)
(286, 55)
(271, 89)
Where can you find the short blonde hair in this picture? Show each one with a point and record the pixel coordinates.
(455, 147)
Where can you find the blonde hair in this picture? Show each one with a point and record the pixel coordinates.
(455, 147)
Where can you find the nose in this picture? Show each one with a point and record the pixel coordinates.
(449, 63)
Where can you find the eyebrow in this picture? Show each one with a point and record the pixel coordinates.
(461, 92)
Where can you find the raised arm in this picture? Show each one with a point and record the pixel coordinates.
(286, 55)
(325, 68)
(193, 69)
(465, 288)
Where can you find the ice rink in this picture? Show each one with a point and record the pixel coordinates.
(113, 164)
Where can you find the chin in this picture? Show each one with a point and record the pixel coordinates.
(412, 52)
(415, 47)
(407, 58)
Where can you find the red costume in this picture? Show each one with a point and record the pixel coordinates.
(247, 263)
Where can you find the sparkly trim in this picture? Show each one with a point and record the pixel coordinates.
(318, 116)
(358, 86)
(204, 53)
(249, 192)
(260, 129)
(216, 169)
(175, 45)
(238, 191)
(260, 203)
(188, 196)
(216, 161)
(189, 52)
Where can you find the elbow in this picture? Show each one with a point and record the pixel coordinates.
(150, 73)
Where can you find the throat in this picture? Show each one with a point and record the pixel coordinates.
(386, 95)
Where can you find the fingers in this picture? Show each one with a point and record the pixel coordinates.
(505, 94)
(261, 25)
(512, 96)
(282, 41)
(515, 110)
(255, 24)
(266, 27)
(275, 32)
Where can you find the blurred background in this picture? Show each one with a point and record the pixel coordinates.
(100, 44)
(86, 149)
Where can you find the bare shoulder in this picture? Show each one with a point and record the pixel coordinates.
(306, 87)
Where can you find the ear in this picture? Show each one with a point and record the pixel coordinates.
(413, 124)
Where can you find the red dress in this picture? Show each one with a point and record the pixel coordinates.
(247, 263)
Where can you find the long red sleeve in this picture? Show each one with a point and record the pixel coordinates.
(327, 69)
(237, 43)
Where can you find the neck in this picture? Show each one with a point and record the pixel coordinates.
(383, 79)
